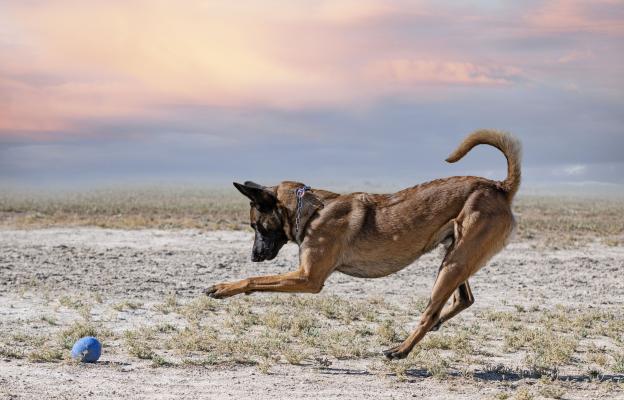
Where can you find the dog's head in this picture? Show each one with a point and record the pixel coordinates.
(266, 220)
(273, 213)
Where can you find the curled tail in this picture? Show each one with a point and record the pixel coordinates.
(509, 145)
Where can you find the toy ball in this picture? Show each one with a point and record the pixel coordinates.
(88, 349)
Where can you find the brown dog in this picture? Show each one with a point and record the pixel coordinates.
(373, 235)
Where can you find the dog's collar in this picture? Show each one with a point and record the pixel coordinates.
(299, 193)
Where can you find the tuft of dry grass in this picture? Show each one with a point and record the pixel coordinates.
(137, 343)
(77, 330)
(523, 393)
(197, 308)
(127, 305)
(11, 352)
(45, 354)
(170, 304)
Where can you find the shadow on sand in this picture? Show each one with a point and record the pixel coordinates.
(495, 375)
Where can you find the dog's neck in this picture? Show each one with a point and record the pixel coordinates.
(288, 210)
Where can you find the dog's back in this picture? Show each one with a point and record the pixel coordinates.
(385, 232)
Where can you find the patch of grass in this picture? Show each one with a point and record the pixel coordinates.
(294, 355)
(618, 363)
(563, 222)
(240, 316)
(436, 364)
(77, 330)
(127, 305)
(71, 302)
(138, 344)
(305, 325)
(419, 304)
(85, 312)
(45, 354)
(49, 319)
(458, 342)
(500, 316)
(398, 367)
(276, 320)
(265, 365)
(195, 339)
(194, 310)
(166, 327)
(549, 351)
(550, 390)
(596, 355)
(11, 352)
(345, 343)
(29, 340)
(523, 393)
(208, 360)
(126, 208)
(160, 361)
(387, 332)
(169, 305)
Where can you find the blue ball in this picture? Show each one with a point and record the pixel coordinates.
(87, 349)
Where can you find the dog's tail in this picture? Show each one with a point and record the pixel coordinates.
(509, 145)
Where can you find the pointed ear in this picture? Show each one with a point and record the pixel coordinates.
(261, 197)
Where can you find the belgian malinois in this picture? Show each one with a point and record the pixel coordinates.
(374, 235)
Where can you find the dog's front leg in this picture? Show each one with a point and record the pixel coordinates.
(289, 282)
(315, 267)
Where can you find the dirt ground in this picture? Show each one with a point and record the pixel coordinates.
(547, 323)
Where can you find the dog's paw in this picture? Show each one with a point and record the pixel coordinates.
(218, 291)
(396, 353)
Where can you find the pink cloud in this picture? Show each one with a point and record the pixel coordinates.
(577, 16)
(419, 72)
(124, 59)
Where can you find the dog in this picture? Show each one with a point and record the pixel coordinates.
(373, 235)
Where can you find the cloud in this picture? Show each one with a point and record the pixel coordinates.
(418, 72)
(350, 80)
(575, 170)
(71, 61)
(566, 16)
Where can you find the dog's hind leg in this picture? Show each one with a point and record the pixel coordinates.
(481, 231)
(462, 299)
(449, 278)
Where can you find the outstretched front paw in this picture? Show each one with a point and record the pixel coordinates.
(218, 291)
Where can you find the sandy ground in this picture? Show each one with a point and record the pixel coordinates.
(38, 267)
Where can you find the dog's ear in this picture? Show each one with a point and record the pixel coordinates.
(261, 197)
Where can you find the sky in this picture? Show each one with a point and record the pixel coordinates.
(325, 92)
